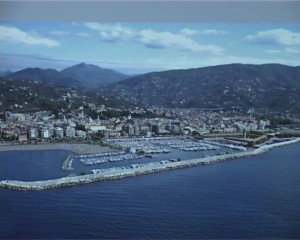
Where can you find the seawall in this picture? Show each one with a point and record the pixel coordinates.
(78, 180)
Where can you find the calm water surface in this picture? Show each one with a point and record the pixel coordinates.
(256, 197)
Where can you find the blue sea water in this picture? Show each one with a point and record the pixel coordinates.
(32, 165)
(255, 197)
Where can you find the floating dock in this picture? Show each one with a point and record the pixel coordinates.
(123, 173)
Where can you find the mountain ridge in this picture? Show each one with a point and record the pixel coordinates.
(51, 76)
(81, 75)
(233, 86)
(97, 76)
(230, 86)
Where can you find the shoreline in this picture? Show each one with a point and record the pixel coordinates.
(89, 178)
(77, 148)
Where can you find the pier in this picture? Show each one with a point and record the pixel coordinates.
(67, 164)
(129, 172)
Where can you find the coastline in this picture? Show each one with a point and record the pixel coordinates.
(78, 148)
(89, 178)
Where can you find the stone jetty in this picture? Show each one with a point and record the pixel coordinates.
(78, 180)
(67, 164)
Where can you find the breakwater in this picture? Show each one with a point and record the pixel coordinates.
(78, 180)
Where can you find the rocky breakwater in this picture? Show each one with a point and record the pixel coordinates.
(141, 170)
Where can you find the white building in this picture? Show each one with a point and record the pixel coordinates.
(81, 134)
(262, 124)
(45, 133)
(59, 132)
(97, 128)
(70, 132)
(33, 133)
(130, 130)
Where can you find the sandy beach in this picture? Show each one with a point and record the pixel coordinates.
(78, 148)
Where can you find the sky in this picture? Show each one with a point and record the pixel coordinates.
(134, 48)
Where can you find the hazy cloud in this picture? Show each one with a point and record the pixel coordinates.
(273, 51)
(111, 33)
(153, 39)
(185, 62)
(83, 34)
(213, 32)
(250, 60)
(59, 33)
(188, 32)
(286, 50)
(292, 50)
(16, 35)
(16, 62)
(278, 36)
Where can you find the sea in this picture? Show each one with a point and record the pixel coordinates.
(248, 198)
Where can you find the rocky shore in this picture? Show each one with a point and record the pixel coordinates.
(78, 180)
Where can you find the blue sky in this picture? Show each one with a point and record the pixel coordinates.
(143, 47)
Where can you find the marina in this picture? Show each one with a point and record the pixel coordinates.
(163, 145)
(141, 148)
(123, 172)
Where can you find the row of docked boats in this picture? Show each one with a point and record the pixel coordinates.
(132, 166)
(114, 158)
(199, 148)
(163, 145)
(157, 150)
(104, 154)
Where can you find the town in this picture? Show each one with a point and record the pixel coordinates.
(77, 125)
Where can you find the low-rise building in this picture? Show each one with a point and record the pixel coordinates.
(23, 137)
(81, 134)
(45, 133)
(33, 133)
(59, 133)
(97, 128)
(70, 132)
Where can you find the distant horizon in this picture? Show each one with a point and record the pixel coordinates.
(137, 48)
(132, 74)
(128, 37)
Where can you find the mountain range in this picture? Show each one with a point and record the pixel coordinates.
(232, 87)
(86, 76)
(269, 87)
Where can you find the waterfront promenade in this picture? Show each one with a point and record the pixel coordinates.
(77, 180)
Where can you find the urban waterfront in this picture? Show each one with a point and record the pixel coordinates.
(253, 197)
(45, 165)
